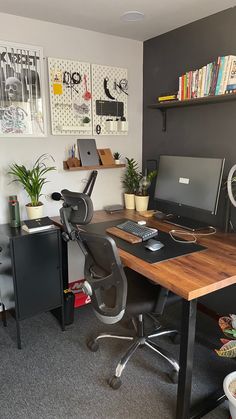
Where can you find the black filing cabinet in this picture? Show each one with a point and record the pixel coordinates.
(31, 266)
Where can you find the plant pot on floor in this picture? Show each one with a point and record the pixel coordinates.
(129, 201)
(229, 385)
(34, 212)
(141, 203)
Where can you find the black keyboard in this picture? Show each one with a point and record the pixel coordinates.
(143, 232)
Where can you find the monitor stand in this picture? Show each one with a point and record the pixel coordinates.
(186, 223)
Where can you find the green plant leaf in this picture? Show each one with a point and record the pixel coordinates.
(227, 350)
(131, 176)
(33, 179)
(225, 323)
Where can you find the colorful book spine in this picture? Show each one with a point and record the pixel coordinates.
(203, 81)
(220, 75)
(231, 83)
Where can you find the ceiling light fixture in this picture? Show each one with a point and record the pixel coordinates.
(132, 16)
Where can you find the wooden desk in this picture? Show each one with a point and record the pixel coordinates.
(190, 276)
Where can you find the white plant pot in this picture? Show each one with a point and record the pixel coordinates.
(141, 203)
(34, 212)
(117, 161)
(129, 201)
(232, 400)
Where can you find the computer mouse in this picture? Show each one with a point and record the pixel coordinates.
(159, 215)
(153, 245)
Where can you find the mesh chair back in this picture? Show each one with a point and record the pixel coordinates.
(104, 273)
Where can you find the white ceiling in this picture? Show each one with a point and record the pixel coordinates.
(104, 15)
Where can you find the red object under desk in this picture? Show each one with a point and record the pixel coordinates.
(80, 297)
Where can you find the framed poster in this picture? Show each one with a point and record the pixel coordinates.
(21, 91)
(70, 97)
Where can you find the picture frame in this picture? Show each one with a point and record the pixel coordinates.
(22, 101)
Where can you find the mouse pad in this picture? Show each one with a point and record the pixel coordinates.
(170, 250)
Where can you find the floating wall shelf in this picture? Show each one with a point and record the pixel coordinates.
(207, 100)
(79, 168)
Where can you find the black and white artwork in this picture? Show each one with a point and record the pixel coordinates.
(21, 92)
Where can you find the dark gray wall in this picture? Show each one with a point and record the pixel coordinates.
(208, 130)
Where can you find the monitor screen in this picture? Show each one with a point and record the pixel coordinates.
(190, 181)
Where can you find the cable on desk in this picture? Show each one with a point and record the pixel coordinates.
(193, 236)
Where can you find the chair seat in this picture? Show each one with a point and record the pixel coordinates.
(142, 295)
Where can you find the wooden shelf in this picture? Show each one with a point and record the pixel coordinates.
(79, 168)
(162, 107)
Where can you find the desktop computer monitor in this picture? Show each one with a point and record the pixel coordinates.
(189, 181)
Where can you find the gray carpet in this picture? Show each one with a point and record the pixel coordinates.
(55, 376)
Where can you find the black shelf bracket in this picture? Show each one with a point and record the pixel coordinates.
(163, 112)
(206, 100)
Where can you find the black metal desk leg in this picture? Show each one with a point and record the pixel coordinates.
(18, 334)
(62, 318)
(188, 328)
(4, 318)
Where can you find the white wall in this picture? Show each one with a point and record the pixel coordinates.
(72, 43)
(66, 42)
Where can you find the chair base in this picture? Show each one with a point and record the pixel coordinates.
(139, 340)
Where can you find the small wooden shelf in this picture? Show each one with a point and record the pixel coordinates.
(79, 168)
(162, 107)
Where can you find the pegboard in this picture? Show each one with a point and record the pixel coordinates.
(110, 100)
(70, 97)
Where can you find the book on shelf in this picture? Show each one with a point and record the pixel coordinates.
(167, 98)
(231, 82)
(39, 224)
(213, 79)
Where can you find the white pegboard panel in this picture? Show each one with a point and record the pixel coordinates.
(70, 97)
(109, 91)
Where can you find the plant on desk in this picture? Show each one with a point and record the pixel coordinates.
(32, 181)
(141, 195)
(130, 182)
(228, 326)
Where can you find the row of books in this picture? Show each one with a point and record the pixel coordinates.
(215, 78)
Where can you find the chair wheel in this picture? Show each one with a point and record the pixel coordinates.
(114, 382)
(173, 376)
(92, 345)
(176, 339)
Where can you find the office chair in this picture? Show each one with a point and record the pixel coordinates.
(115, 291)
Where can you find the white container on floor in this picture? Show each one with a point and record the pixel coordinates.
(232, 400)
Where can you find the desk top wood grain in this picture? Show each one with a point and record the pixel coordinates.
(189, 276)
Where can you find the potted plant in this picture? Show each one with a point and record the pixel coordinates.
(32, 181)
(130, 182)
(228, 326)
(141, 194)
(117, 157)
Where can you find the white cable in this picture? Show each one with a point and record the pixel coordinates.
(229, 185)
(192, 235)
